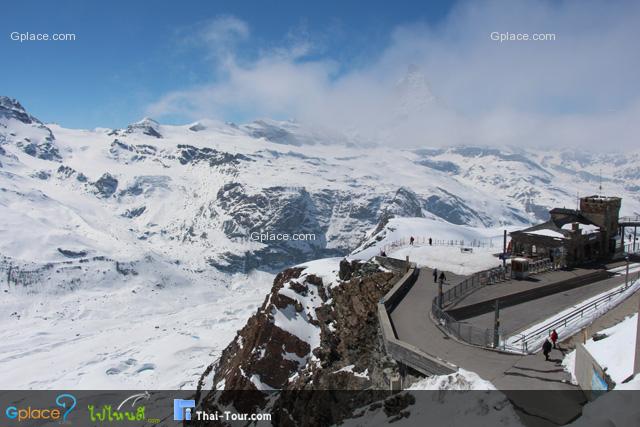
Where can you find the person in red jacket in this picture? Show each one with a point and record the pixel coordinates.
(554, 337)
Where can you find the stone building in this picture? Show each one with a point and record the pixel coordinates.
(574, 236)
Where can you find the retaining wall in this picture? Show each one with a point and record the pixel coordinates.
(400, 351)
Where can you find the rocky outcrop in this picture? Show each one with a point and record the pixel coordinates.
(145, 126)
(190, 154)
(454, 209)
(12, 109)
(39, 142)
(106, 185)
(312, 334)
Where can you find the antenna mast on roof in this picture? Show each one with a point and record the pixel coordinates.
(600, 186)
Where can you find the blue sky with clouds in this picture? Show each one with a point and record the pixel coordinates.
(336, 64)
(129, 53)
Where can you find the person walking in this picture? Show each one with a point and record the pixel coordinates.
(546, 349)
(554, 337)
(411, 240)
(430, 241)
(442, 277)
(435, 275)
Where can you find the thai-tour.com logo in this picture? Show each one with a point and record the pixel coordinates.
(59, 411)
(182, 409)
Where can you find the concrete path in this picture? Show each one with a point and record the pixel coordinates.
(499, 290)
(507, 372)
(518, 317)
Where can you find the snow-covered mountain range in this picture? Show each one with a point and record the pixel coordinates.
(171, 209)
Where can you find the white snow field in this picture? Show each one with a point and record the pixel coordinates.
(131, 336)
(470, 401)
(104, 232)
(462, 380)
(615, 353)
(482, 244)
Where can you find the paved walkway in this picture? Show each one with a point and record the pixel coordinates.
(518, 317)
(499, 290)
(507, 372)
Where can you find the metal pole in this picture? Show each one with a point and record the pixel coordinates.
(626, 276)
(636, 365)
(496, 325)
(504, 249)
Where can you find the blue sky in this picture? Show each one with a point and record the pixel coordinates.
(337, 64)
(129, 53)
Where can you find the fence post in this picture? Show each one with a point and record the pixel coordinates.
(496, 325)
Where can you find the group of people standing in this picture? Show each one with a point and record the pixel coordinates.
(439, 278)
(413, 239)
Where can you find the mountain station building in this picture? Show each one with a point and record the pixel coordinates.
(574, 236)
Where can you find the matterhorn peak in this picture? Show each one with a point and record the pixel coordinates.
(414, 88)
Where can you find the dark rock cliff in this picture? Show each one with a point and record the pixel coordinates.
(267, 355)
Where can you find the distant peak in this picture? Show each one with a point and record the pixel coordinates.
(10, 103)
(146, 121)
(415, 84)
(12, 109)
(147, 126)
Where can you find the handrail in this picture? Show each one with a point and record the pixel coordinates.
(625, 219)
(465, 332)
(524, 339)
(400, 351)
(476, 280)
(424, 241)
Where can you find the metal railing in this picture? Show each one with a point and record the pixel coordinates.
(399, 350)
(631, 248)
(541, 266)
(530, 341)
(463, 331)
(629, 219)
(475, 281)
(424, 241)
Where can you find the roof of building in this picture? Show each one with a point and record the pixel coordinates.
(547, 229)
(600, 198)
(559, 229)
(570, 215)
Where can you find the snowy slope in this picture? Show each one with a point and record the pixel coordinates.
(447, 240)
(614, 352)
(89, 216)
(459, 399)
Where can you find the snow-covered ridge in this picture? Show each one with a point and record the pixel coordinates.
(182, 201)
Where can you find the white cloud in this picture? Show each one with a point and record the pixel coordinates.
(580, 89)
